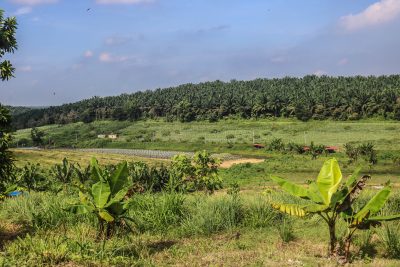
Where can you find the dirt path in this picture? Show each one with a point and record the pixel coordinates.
(229, 163)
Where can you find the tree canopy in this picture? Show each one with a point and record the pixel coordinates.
(8, 44)
(310, 97)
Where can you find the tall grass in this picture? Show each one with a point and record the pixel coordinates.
(40, 210)
(157, 213)
(211, 215)
(390, 236)
(258, 213)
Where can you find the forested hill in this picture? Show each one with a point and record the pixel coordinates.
(16, 110)
(311, 97)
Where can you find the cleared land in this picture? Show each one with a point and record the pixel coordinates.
(227, 136)
(156, 139)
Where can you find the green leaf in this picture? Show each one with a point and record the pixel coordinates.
(315, 208)
(116, 208)
(120, 195)
(119, 178)
(292, 209)
(105, 215)
(101, 193)
(338, 197)
(314, 194)
(352, 180)
(373, 206)
(291, 188)
(80, 209)
(329, 179)
(385, 218)
(96, 173)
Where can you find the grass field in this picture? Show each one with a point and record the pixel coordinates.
(194, 136)
(174, 230)
(231, 136)
(47, 158)
(198, 229)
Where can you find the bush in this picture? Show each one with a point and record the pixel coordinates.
(297, 148)
(276, 145)
(230, 136)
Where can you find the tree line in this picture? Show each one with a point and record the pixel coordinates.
(310, 97)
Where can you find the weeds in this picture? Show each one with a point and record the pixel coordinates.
(390, 237)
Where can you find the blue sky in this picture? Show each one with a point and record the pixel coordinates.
(67, 52)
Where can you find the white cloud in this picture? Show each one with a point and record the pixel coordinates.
(25, 68)
(376, 14)
(127, 2)
(108, 58)
(33, 2)
(88, 54)
(23, 11)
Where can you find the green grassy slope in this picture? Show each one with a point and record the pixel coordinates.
(226, 136)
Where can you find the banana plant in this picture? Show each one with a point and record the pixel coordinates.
(82, 174)
(332, 199)
(64, 172)
(105, 198)
(365, 218)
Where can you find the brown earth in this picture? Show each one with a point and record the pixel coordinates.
(229, 163)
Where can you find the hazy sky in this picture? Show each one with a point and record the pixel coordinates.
(74, 49)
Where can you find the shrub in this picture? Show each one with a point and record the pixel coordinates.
(230, 136)
(276, 145)
(297, 148)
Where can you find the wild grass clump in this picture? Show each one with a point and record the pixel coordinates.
(390, 236)
(258, 213)
(285, 229)
(211, 215)
(40, 210)
(157, 213)
(365, 244)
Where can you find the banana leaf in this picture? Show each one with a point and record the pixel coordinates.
(329, 180)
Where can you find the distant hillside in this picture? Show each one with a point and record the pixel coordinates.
(311, 97)
(16, 110)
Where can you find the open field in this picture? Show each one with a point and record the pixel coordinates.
(197, 229)
(251, 175)
(48, 158)
(226, 136)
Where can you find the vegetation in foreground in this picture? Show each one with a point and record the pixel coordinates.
(333, 200)
(66, 212)
(175, 229)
